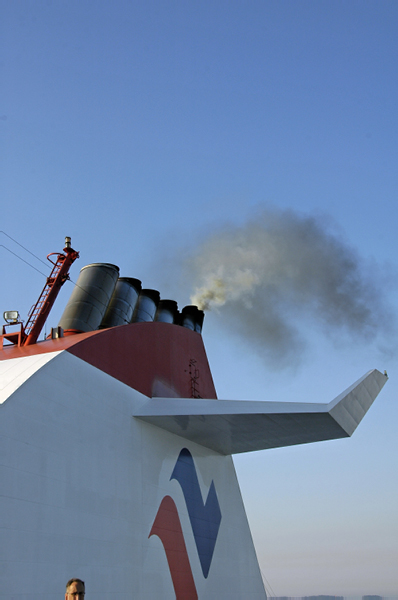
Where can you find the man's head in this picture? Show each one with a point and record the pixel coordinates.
(74, 590)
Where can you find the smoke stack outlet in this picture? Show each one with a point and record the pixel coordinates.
(167, 311)
(90, 298)
(192, 318)
(146, 306)
(123, 302)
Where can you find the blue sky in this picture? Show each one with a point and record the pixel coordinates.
(142, 128)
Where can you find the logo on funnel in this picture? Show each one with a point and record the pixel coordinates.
(205, 519)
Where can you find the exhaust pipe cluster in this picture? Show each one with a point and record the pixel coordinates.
(102, 299)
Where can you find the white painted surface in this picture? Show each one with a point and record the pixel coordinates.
(15, 371)
(81, 482)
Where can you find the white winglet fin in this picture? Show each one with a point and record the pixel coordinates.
(234, 426)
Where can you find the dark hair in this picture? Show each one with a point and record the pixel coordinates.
(74, 580)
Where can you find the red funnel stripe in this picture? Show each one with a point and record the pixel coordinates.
(167, 527)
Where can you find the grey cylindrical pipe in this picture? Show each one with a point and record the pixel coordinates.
(200, 315)
(146, 306)
(122, 304)
(167, 311)
(192, 318)
(90, 298)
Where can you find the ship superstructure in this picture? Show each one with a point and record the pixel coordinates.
(117, 455)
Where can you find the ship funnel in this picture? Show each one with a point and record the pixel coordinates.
(90, 298)
(167, 311)
(146, 306)
(124, 299)
(192, 318)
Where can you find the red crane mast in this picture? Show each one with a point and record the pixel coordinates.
(40, 311)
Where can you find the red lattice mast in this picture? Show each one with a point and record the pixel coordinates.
(40, 311)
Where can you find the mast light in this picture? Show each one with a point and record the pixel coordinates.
(11, 316)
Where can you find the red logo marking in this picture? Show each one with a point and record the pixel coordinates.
(167, 527)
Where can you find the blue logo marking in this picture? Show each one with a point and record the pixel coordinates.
(205, 517)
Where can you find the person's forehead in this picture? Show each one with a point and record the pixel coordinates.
(76, 586)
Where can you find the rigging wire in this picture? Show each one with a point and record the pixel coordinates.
(26, 249)
(268, 585)
(23, 260)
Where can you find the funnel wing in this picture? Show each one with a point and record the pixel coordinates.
(234, 426)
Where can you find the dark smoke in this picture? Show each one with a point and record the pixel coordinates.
(278, 270)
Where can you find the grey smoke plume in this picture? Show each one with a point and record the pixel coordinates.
(277, 271)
